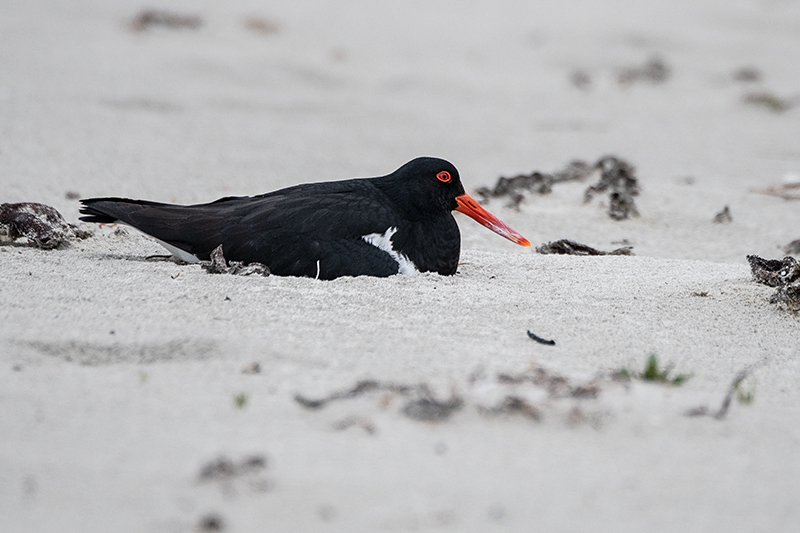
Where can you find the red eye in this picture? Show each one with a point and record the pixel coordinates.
(444, 176)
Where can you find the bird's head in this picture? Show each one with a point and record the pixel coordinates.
(433, 185)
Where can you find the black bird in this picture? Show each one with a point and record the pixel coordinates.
(399, 223)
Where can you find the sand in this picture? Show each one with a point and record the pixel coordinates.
(125, 381)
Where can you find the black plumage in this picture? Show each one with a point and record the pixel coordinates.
(366, 226)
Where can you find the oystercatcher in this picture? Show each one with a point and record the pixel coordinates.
(399, 223)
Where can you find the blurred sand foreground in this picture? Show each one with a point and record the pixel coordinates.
(152, 396)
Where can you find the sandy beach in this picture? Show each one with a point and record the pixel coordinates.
(149, 395)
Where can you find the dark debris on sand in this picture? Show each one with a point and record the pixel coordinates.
(517, 393)
(580, 79)
(211, 522)
(150, 18)
(617, 178)
(536, 182)
(41, 224)
(225, 468)
(723, 217)
(784, 274)
(793, 248)
(355, 421)
(785, 191)
(431, 409)
(261, 25)
(508, 394)
(774, 272)
(568, 247)
(511, 405)
(747, 74)
(218, 265)
(655, 70)
(247, 475)
(362, 387)
(557, 386)
(540, 340)
(421, 405)
(770, 101)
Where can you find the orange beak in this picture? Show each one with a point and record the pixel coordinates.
(471, 208)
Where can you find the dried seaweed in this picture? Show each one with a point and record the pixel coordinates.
(723, 217)
(41, 224)
(617, 177)
(747, 74)
(781, 273)
(211, 522)
(578, 416)
(793, 248)
(511, 394)
(362, 387)
(788, 296)
(261, 25)
(654, 71)
(252, 368)
(150, 18)
(569, 247)
(422, 405)
(218, 265)
(223, 468)
(535, 182)
(555, 385)
(774, 272)
(514, 405)
(355, 421)
(232, 477)
(518, 392)
(770, 101)
(786, 191)
(430, 409)
(580, 79)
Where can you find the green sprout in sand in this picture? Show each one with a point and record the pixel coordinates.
(745, 397)
(240, 400)
(653, 372)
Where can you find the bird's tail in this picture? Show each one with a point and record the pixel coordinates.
(194, 229)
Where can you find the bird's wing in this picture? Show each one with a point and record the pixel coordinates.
(289, 230)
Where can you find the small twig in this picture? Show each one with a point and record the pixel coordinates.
(726, 401)
(540, 340)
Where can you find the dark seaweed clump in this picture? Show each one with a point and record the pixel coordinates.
(41, 224)
(784, 274)
(569, 247)
(617, 178)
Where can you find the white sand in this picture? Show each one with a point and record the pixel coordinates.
(119, 375)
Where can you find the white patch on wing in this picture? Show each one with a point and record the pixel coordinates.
(183, 255)
(384, 242)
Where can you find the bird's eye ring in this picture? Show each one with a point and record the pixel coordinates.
(443, 176)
